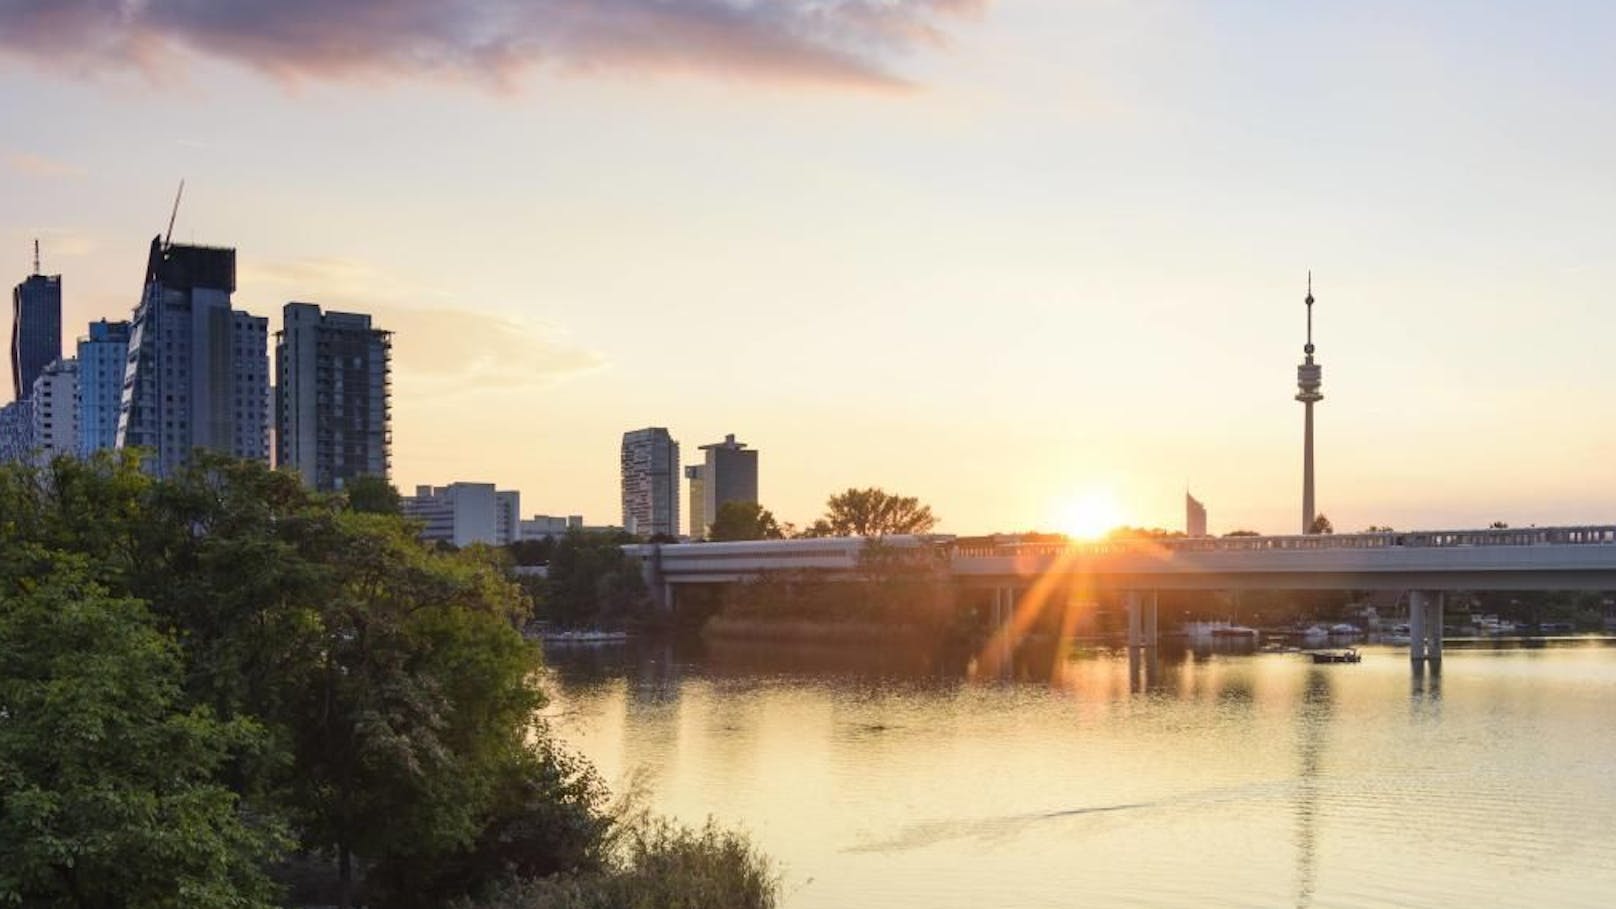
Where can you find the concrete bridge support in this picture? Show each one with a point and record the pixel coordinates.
(1425, 626)
(1143, 630)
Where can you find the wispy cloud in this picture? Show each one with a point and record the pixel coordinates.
(40, 166)
(436, 346)
(495, 42)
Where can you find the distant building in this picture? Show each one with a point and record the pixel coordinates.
(695, 474)
(36, 327)
(102, 356)
(332, 400)
(1194, 517)
(543, 526)
(198, 371)
(466, 513)
(730, 474)
(17, 430)
(650, 474)
(56, 412)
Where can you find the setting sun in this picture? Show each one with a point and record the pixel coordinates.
(1091, 515)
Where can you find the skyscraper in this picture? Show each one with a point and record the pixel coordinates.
(102, 356)
(36, 327)
(198, 371)
(1309, 376)
(730, 474)
(650, 472)
(1194, 517)
(332, 375)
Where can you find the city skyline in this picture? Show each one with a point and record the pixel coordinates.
(1062, 281)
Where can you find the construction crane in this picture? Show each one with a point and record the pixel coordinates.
(174, 214)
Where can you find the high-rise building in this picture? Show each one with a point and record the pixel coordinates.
(730, 474)
(1309, 376)
(332, 378)
(650, 471)
(56, 412)
(198, 371)
(467, 513)
(17, 430)
(695, 475)
(1194, 517)
(36, 327)
(103, 354)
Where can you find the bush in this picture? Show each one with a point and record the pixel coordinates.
(657, 865)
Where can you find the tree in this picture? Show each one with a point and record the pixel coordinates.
(109, 786)
(374, 495)
(1498, 525)
(1321, 524)
(874, 513)
(744, 521)
(1242, 533)
(1379, 528)
(592, 582)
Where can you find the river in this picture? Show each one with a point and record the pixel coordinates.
(884, 777)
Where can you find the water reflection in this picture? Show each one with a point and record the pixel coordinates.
(900, 776)
(1313, 716)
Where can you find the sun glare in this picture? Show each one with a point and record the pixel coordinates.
(1091, 516)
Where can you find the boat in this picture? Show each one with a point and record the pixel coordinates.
(1316, 632)
(1343, 630)
(1348, 655)
(584, 637)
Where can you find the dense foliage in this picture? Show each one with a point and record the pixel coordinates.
(872, 513)
(654, 865)
(200, 672)
(744, 521)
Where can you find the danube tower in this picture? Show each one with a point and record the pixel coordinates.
(1308, 376)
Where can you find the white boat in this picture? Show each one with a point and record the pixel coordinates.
(1316, 632)
(1343, 630)
(584, 637)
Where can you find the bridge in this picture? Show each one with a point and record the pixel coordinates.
(1425, 564)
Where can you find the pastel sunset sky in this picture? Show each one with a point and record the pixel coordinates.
(999, 254)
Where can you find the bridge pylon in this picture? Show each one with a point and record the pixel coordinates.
(1143, 630)
(1425, 626)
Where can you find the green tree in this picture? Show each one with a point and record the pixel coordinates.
(592, 582)
(874, 513)
(374, 495)
(744, 521)
(109, 794)
(1321, 524)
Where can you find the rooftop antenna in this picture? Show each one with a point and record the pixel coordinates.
(174, 214)
(36, 255)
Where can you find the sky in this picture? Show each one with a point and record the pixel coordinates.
(1002, 255)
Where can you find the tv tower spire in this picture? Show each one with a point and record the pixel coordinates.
(1309, 375)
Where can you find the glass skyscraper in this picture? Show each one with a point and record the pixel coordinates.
(36, 329)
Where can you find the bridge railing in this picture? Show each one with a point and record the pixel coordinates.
(1597, 535)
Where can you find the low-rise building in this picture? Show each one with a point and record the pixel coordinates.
(466, 513)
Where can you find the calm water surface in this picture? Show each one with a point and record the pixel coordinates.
(885, 778)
